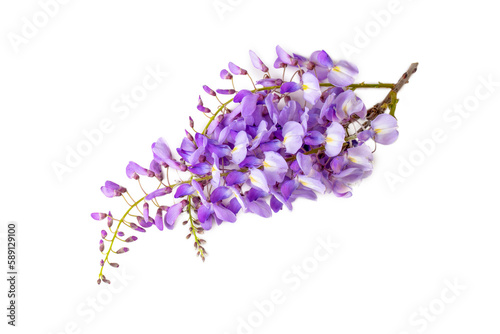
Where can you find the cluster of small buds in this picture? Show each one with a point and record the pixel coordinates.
(261, 150)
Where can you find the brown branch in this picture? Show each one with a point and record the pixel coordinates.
(380, 107)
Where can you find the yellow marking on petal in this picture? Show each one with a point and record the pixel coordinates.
(285, 139)
(266, 164)
(213, 168)
(336, 69)
(305, 87)
(304, 183)
(235, 149)
(253, 179)
(352, 159)
(329, 139)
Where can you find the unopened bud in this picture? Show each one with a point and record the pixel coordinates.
(131, 239)
(122, 250)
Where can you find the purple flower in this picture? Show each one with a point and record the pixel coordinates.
(283, 58)
(361, 157)
(159, 219)
(184, 190)
(158, 193)
(226, 91)
(311, 88)
(201, 107)
(225, 75)
(275, 167)
(163, 155)
(348, 104)
(111, 189)
(257, 63)
(98, 215)
(385, 127)
(200, 169)
(258, 179)
(236, 70)
(312, 183)
(341, 73)
(334, 139)
(134, 170)
(293, 133)
(173, 213)
(208, 90)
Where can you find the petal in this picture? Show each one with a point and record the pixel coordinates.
(275, 166)
(257, 63)
(314, 138)
(261, 208)
(288, 187)
(236, 70)
(335, 135)
(324, 59)
(172, 213)
(236, 177)
(249, 104)
(273, 145)
(311, 88)
(385, 128)
(343, 74)
(159, 219)
(283, 56)
(251, 161)
(234, 205)
(240, 95)
(293, 133)
(184, 190)
(224, 214)
(312, 183)
(239, 151)
(204, 213)
(254, 194)
(200, 169)
(305, 163)
(258, 179)
(275, 204)
(290, 87)
(220, 194)
(158, 193)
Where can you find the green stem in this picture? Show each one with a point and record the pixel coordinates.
(194, 229)
(116, 232)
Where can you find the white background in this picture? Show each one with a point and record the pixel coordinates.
(399, 245)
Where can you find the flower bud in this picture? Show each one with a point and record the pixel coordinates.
(236, 69)
(189, 136)
(200, 106)
(131, 239)
(226, 91)
(110, 220)
(114, 265)
(208, 90)
(137, 228)
(225, 75)
(122, 250)
(104, 234)
(101, 245)
(98, 215)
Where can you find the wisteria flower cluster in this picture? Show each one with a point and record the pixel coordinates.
(293, 135)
